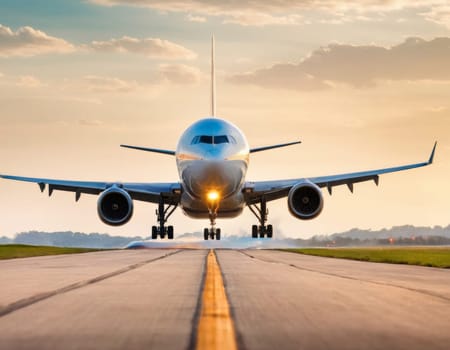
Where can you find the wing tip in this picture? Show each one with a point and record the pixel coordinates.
(430, 161)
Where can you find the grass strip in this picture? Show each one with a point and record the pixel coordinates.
(433, 257)
(12, 251)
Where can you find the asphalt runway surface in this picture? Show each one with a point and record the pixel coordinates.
(153, 299)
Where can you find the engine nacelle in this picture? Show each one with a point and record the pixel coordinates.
(115, 206)
(305, 200)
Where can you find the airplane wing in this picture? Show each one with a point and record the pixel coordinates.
(172, 153)
(272, 190)
(147, 192)
(265, 148)
(147, 149)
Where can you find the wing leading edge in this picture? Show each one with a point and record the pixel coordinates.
(147, 149)
(147, 192)
(265, 148)
(172, 153)
(276, 189)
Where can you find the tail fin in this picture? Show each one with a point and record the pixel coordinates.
(213, 80)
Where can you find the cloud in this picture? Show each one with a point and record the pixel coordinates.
(192, 18)
(290, 12)
(359, 66)
(29, 81)
(150, 47)
(255, 13)
(107, 84)
(90, 122)
(180, 74)
(437, 109)
(262, 19)
(27, 41)
(439, 14)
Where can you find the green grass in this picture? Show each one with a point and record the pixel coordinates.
(423, 256)
(12, 251)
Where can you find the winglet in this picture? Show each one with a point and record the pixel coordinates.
(430, 161)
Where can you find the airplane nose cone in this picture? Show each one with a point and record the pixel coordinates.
(215, 154)
(206, 175)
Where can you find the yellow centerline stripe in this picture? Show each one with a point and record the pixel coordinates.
(215, 328)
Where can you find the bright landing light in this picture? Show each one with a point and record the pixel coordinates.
(213, 195)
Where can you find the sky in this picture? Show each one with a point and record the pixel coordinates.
(363, 85)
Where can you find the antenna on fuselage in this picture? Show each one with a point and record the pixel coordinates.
(213, 81)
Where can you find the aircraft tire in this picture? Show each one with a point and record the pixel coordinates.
(269, 231)
(262, 231)
(170, 232)
(218, 234)
(254, 231)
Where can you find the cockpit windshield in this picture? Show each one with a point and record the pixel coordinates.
(213, 140)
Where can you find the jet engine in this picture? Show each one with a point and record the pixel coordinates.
(115, 206)
(305, 200)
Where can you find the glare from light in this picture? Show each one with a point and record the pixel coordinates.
(213, 196)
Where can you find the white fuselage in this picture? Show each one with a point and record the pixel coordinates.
(212, 156)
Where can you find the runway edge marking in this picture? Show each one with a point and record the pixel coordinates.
(215, 328)
(22, 303)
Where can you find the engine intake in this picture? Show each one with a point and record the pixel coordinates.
(115, 206)
(305, 200)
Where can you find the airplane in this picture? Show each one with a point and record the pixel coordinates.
(212, 158)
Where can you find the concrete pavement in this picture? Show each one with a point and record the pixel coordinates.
(152, 299)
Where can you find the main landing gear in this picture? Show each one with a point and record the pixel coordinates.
(261, 212)
(163, 213)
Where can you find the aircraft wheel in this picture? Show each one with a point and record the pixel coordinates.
(205, 234)
(254, 231)
(218, 234)
(154, 232)
(262, 231)
(170, 232)
(269, 231)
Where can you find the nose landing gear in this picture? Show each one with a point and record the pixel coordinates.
(213, 231)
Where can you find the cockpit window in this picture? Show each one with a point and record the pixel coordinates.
(220, 139)
(195, 140)
(206, 139)
(213, 140)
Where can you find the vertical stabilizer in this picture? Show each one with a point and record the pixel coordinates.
(213, 81)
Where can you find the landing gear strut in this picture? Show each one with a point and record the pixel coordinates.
(213, 231)
(163, 213)
(261, 212)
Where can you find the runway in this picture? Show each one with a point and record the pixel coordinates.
(155, 298)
